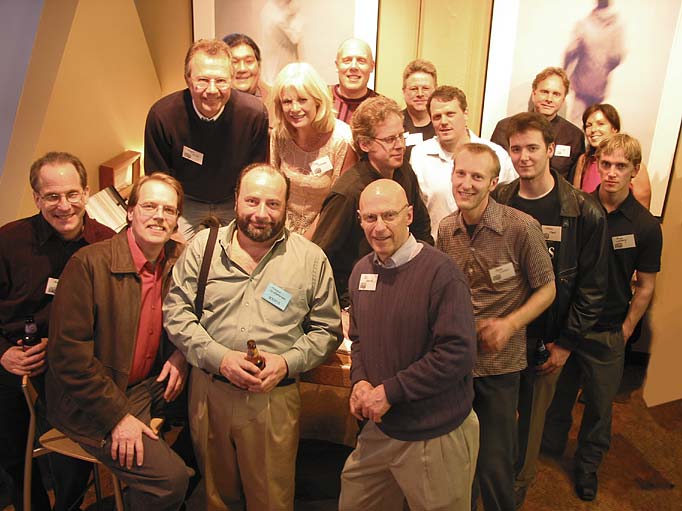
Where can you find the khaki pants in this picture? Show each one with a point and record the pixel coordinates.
(245, 443)
(434, 474)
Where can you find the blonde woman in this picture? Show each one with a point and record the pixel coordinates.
(307, 142)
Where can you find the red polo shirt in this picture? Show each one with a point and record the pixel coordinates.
(151, 322)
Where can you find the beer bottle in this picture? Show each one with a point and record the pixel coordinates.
(30, 334)
(541, 353)
(253, 356)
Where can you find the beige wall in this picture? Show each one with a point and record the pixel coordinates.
(89, 85)
(664, 377)
(453, 34)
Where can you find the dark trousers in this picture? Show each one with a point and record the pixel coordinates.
(495, 401)
(597, 362)
(161, 482)
(70, 476)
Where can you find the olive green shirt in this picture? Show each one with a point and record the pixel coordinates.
(304, 328)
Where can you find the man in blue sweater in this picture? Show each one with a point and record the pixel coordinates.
(413, 353)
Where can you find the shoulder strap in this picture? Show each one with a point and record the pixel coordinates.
(203, 273)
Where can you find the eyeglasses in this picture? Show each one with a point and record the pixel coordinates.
(149, 208)
(387, 216)
(390, 141)
(52, 199)
(201, 84)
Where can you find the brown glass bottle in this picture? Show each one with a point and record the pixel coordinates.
(253, 356)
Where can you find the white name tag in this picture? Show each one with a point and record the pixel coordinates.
(51, 287)
(562, 150)
(623, 241)
(552, 232)
(413, 138)
(192, 155)
(502, 273)
(321, 165)
(368, 282)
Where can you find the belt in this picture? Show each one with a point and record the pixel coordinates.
(284, 383)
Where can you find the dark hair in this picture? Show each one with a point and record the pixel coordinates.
(475, 148)
(609, 112)
(162, 178)
(526, 121)
(52, 158)
(237, 39)
(448, 93)
(266, 168)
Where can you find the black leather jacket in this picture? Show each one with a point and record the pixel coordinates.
(582, 272)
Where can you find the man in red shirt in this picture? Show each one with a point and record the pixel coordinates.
(111, 367)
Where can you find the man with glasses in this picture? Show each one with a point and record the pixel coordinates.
(204, 135)
(33, 252)
(413, 351)
(419, 81)
(378, 133)
(111, 367)
(502, 252)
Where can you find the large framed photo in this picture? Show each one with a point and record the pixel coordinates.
(291, 30)
(636, 66)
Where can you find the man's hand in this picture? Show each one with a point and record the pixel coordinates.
(345, 322)
(30, 362)
(627, 331)
(275, 370)
(238, 370)
(126, 441)
(357, 397)
(557, 359)
(494, 334)
(375, 404)
(175, 369)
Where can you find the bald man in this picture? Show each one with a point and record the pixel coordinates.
(354, 63)
(413, 354)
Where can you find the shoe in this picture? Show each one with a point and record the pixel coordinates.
(519, 496)
(586, 485)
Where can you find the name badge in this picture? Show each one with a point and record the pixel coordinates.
(502, 273)
(562, 150)
(368, 282)
(413, 138)
(192, 155)
(321, 165)
(623, 241)
(277, 296)
(552, 232)
(51, 287)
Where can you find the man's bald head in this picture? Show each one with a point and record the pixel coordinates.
(354, 63)
(385, 216)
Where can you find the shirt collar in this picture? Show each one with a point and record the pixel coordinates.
(491, 218)
(139, 259)
(627, 207)
(433, 148)
(207, 119)
(45, 231)
(403, 255)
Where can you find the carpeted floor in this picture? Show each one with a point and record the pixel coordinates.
(642, 471)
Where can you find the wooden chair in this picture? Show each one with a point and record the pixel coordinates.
(56, 441)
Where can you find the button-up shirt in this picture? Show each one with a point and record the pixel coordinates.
(288, 304)
(504, 236)
(150, 326)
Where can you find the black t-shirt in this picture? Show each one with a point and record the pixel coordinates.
(547, 211)
(635, 243)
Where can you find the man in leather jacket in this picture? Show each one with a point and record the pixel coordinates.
(575, 231)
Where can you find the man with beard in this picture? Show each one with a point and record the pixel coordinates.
(264, 284)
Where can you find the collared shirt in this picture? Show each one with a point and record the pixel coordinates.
(150, 326)
(32, 256)
(404, 254)
(207, 119)
(433, 167)
(288, 304)
(635, 242)
(505, 260)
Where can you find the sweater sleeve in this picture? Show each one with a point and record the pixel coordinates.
(157, 150)
(452, 356)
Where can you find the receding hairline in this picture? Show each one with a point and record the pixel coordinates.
(364, 44)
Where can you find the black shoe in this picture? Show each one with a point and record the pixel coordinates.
(586, 485)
